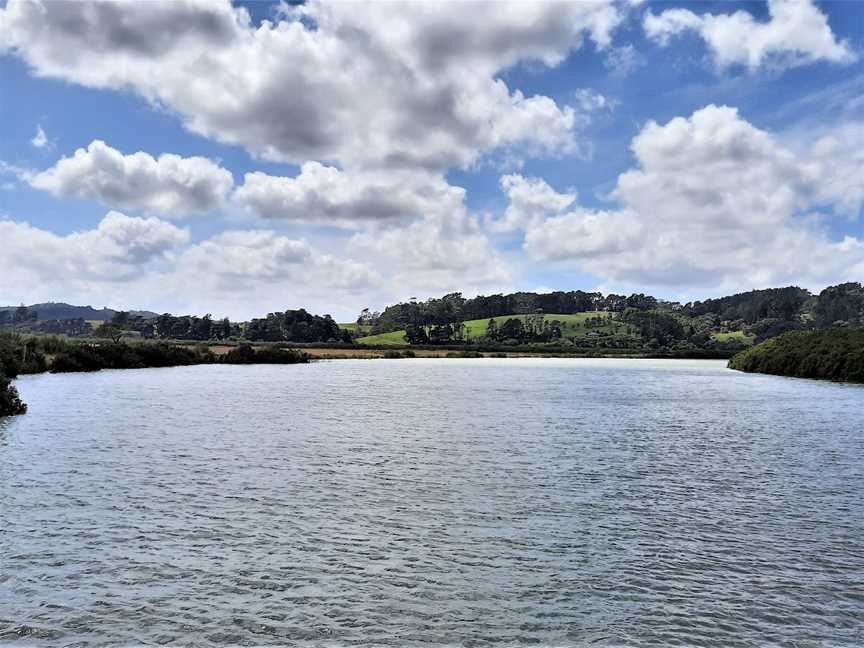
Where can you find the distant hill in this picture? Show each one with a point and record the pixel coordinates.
(62, 311)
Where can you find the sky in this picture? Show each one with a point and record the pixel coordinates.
(202, 156)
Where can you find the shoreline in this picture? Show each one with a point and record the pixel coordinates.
(334, 352)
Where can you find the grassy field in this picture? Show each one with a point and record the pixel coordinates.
(739, 336)
(354, 327)
(574, 326)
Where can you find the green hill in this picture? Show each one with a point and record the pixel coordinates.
(574, 326)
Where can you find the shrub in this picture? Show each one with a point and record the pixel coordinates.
(831, 354)
(10, 402)
(245, 354)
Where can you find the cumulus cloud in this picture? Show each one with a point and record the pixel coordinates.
(240, 256)
(168, 184)
(420, 79)
(714, 202)
(529, 200)
(796, 33)
(325, 195)
(239, 273)
(234, 260)
(441, 253)
(118, 249)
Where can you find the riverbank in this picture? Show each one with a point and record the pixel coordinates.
(35, 354)
(828, 354)
(358, 352)
(21, 354)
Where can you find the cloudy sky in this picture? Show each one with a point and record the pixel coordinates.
(202, 156)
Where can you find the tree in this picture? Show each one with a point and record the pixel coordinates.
(512, 329)
(22, 314)
(492, 329)
(416, 334)
(109, 331)
(120, 319)
(225, 328)
(842, 303)
(534, 323)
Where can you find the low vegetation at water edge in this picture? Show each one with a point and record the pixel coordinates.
(10, 402)
(829, 354)
(36, 354)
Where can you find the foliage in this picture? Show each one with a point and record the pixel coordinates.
(832, 354)
(577, 325)
(454, 308)
(657, 326)
(89, 357)
(10, 402)
(75, 327)
(246, 354)
(296, 326)
(21, 355)
(779, 303)
(109, 331)
(771, 327)
(843, 305)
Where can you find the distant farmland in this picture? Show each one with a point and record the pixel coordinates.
(574, 326)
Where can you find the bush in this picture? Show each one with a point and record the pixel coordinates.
(10, 402)
(77, 358)
(245, 354)
(830, 354)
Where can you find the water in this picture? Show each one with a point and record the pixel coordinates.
(433, 503)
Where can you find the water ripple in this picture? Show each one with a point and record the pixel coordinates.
(433, 503)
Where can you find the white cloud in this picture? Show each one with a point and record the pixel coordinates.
(117, 250)
(623, 61)
(796, 33)
(40, 139)
(590, 101)
(441, 253)
(327, 196)
(837, 160)
(168, 184)
(241, 256)
(149, 263)
(377, 84)
(583, 234)
(529, 200)
(715, 202)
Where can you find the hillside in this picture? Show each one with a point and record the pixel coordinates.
(829, 354)
(63, 311)
(575, 325)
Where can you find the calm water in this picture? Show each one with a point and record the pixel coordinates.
(433, 503)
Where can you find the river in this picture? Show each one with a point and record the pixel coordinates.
(450, 502)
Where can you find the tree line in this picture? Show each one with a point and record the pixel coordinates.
(23, 354)
(455, 308)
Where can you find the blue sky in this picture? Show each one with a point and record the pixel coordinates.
(682, 149)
